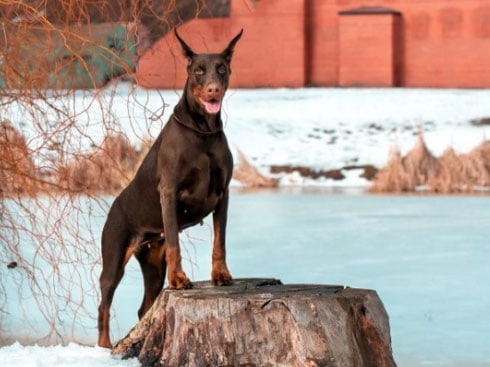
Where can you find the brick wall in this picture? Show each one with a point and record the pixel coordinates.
(271, 52)
(292, 43)
(447, 44)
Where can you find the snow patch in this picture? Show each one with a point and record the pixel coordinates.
(72, 355)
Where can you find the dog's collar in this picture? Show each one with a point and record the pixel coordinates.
(194, 128)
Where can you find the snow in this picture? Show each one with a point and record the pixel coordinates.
(72, 355)
(330, 128)
(321, 128)
(408, 248)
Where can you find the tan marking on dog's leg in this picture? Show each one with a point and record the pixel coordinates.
(133, 247)
(104, 339)
(176, 276)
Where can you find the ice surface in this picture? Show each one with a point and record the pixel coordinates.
(426, 256)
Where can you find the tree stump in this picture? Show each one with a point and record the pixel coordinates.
(260, 322)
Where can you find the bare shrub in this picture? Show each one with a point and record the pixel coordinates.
(64, 146)
(61, 147)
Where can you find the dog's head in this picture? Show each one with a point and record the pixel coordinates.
(208, 75)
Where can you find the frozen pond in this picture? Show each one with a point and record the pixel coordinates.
(426, 256)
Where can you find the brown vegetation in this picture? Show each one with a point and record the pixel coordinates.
(17, 171)
(482, 121)
(334, 174)
(106, 170)
(250, 176)
(450, 173)
(109, 168)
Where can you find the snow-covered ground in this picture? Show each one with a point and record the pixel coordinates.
(331, 128)
(72, 355)
(425, 256)
(322, 128)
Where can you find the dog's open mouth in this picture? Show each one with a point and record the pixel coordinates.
(212, 106)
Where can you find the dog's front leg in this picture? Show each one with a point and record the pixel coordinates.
(220, 274)
(176, 276)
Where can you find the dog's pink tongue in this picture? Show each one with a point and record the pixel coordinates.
(212, 107)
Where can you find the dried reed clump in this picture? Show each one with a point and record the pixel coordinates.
(18, 174)
(476, 166)
(393, 178)
(107, 170)
(250, 176)
(466, 172)
(448, 174)
(421, 167)
(452, 173)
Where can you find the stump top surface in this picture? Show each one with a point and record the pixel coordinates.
(250, 287)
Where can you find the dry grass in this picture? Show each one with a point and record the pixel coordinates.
(17, 171)
(110, 167)
(250, 176)
(450, 173)
(105, 171)
(393, 177)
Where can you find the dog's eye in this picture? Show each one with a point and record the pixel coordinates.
(199, 71)
(221, 69)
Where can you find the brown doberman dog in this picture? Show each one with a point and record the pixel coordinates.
(183, 178)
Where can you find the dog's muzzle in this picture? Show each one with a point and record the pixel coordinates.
(211, 97)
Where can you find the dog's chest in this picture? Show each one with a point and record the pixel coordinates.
(203, 186)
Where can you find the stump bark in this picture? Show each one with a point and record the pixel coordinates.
(260, 322)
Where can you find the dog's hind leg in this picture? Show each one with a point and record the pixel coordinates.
(152, 262)
(115, 248)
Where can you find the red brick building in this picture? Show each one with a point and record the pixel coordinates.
(296, 43)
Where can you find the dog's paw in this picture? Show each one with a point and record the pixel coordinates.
(179, 281)
(105, 343)
(221, 276)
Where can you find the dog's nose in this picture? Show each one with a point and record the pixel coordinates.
(213, 90)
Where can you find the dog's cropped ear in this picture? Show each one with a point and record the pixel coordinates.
(228, 51)
(188, 53)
